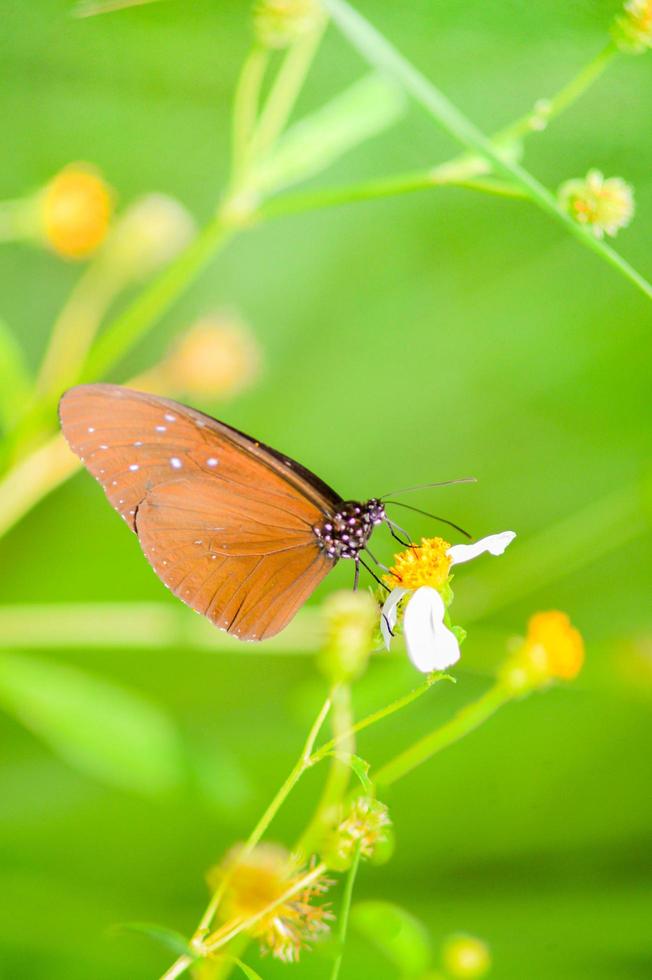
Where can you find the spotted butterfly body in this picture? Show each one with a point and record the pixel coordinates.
(238, 531)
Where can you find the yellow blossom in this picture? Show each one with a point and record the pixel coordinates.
(258, 879)
(632, 31)
(553, 650)
(75, 210)
(366, 827)
(424, 564)
(603, 205)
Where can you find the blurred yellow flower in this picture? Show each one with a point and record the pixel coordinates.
(218, 357)
(603, 205)
(350, 619)
(465, 957)
(632, 31)
(258, 879)
(552, 641)
(75, 210)
(365, 827)
(279, 23)
(147, 235)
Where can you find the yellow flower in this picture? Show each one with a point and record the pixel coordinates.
(632, 31)
(466, 957)
(603, 205)
(552, 641)
(279, 23)
(553, 650)
(258, 879)
(427, 564)
(366, 827)
(75, 210)
(217, 358)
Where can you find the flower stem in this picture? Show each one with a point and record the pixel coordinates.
(380, 53)
(132, 325)
(245, 109)
(464, 722)
(178, 967)
(376, 716)
(345, 912)
(302, 763)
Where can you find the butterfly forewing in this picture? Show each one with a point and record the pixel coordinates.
(226, 522)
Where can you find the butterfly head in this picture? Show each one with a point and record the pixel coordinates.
(347, 531)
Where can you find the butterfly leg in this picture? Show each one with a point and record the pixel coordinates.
(376, 562)
(372, 573)
(356, 577)
(393, 528)
(391, 631)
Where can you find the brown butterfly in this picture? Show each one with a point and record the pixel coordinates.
(238, 531)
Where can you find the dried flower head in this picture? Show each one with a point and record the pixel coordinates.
(603, 205)
(75, 211)
(632, 30)
(465, 957)
(553, 650)
(218, 357)
(366, 827)
(256, 881)
(279, 23)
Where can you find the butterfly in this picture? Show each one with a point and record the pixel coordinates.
(238, 531)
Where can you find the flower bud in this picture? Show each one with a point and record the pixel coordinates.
(150, 233)
(217, 358)
(465, 957)
(553, 650)
(604, 206)
(350, 619)
(279, 23)
(632, 30)
(74, 211)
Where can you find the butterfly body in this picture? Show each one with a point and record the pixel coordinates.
(238, 531)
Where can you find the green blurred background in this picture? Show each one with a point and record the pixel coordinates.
(414, 339)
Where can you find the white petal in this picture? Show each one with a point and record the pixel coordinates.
(390, 613)
(430, 644)
(495, 544)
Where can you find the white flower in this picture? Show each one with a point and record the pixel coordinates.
(431, 645)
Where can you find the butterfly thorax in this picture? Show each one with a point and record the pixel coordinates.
(348, 530)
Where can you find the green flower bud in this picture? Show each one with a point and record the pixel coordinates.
(279, 23)
(350, 619)
(465, 957)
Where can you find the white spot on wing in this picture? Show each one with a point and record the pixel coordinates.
(211, 461)
(161, 428)
(175, 463)
(91, 429)
(133, 467)
(169, 417)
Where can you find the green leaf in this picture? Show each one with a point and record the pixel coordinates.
(247, 970)
(358, 765)
(113, 734)
(396, 933)
(364, 110)
(15, 386)
(170, 938)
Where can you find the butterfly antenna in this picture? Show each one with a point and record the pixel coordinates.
(429, 486)
(425, 513)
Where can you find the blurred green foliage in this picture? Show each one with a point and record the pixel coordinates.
(420, 338)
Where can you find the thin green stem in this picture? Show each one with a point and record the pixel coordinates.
(178, 967)
(384, 56)
(285, 90)
(132, 325)
(464, 722)
(379, 715)
(302, 763)
(548, 109)
(245, 109)
(345, 911)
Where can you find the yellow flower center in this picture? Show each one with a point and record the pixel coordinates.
(424, 564)
(556, 644)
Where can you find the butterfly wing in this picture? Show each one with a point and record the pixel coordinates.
(226, 522)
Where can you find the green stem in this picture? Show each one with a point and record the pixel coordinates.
(464, 722)
(345, 912)
(285, 90)
(548, 109)
(384, 56)
(302, 763)
(376, 716)
(245, 109)
(132, 325)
